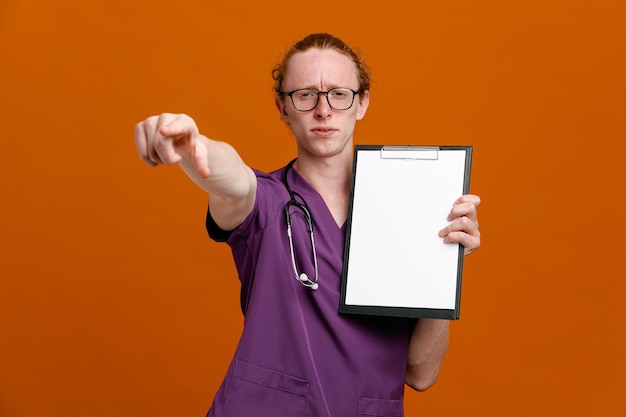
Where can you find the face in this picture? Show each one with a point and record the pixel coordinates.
(322, 132)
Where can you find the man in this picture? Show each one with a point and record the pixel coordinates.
(297, 356)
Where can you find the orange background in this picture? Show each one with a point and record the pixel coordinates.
(113, 301)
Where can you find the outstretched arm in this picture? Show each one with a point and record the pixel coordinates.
(214, 166)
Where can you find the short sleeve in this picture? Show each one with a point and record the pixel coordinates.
(265, 210)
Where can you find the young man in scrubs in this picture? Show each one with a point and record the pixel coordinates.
(297, 356)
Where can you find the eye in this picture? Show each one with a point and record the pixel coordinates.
(306, 94)
(340, 93)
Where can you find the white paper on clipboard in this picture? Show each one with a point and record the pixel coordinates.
(395, 263)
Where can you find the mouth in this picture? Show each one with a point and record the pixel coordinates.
(323, 131)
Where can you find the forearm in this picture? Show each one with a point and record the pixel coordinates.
(229, 177)
(427, 349)
(230, 183)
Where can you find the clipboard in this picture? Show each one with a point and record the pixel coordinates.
(395, 263)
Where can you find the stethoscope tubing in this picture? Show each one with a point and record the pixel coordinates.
(302, 278)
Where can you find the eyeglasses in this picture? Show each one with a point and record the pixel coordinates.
(306, 99)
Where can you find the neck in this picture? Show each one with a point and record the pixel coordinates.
(331, 174)
(331, 178)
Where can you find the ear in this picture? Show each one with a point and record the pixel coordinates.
(280, 105)
(364, 102)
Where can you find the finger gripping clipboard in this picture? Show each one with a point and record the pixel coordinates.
(395, 263)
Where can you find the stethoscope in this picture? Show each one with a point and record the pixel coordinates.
(302, 278)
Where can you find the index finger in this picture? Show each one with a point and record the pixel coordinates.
(469, 198)
(181, 125)
(465, 206)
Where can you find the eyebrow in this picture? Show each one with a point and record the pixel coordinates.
(332, 86)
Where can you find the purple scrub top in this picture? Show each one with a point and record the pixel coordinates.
(297, 356)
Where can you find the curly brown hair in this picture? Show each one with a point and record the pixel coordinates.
(322, 41)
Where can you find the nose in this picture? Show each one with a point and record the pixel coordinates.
(323, 108)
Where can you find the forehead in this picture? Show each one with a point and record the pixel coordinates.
(320, 68)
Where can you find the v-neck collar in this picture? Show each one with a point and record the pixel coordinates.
(322, 217)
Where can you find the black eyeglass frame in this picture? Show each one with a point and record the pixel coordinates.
(291, 93)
